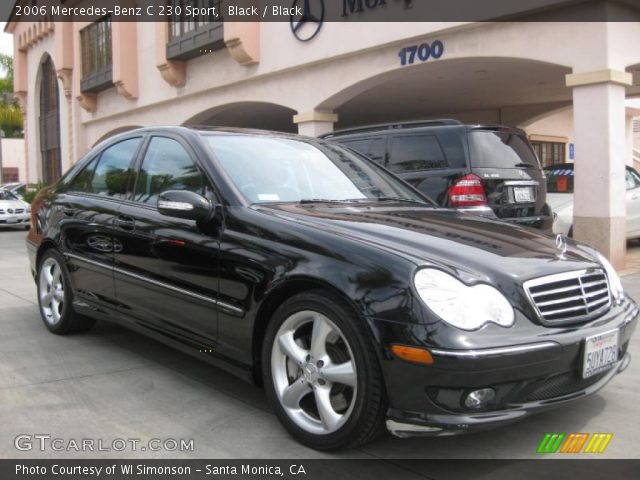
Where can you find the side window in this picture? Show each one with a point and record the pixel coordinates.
(167, 166)
(411, 153)
(112, 174)
(374, 148)
(631, 180)
(82, 181)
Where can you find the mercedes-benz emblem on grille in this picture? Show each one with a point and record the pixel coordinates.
(308, 25)
(561, 243)
(10, 210)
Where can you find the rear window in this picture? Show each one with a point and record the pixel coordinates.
(560, 180)
(411, 153)
(490, 149)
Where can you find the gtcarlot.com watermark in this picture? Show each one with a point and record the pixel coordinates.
(43, 442)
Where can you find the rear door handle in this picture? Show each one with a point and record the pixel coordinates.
(125, 222)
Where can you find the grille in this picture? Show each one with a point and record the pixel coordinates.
(570, 297)
(558, 386)
(19, 210)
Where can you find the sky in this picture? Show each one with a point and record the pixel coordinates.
(6, 41)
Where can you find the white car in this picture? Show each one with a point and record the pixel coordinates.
(560, 199)
(17, 188)
(13, 211)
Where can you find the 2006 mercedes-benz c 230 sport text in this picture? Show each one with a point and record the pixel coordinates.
(357, 302)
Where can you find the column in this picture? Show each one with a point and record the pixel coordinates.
(314, 124)
(599, 125)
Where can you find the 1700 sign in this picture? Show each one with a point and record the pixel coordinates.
(422, 53)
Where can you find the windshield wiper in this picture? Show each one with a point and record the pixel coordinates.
(524, 165)
(398, 199)
(320, 200)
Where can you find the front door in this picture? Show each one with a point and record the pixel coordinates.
(166, 272)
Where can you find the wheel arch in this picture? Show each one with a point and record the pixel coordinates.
(274, 298)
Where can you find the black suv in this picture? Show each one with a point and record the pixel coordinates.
(488, 170)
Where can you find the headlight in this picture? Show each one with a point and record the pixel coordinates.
(28, 208)
(615, 285)
(468, 308)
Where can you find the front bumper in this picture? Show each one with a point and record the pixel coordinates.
(528, 377)
(20, 219)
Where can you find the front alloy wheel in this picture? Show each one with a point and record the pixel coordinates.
(314, 372)
(321, 372)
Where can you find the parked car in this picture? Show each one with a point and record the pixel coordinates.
(560, 198)
(17, 188)
(488, 170)
(301, 265)
(13, 211)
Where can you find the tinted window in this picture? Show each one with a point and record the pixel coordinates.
(410, 153)
(82, 181)
(167, 166)
(112, 174)
(374, 148)
(501, 150)
(559, 180)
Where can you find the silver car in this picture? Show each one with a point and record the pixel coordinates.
(560, 199)
(13, 211)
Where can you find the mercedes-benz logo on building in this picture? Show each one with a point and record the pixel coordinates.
(306, 26)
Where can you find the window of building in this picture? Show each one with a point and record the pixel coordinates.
(10, 174)
(49, 122)
(97, 65)
(191, 36)
(167, 166)
(112, 174)
(550, 153)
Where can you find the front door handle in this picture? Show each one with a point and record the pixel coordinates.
(125, 222)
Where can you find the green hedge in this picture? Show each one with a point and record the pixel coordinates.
(11, 121)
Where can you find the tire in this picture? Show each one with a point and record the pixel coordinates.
(55, 297)
(328, 394)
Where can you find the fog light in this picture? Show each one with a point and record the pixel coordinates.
(479, 398)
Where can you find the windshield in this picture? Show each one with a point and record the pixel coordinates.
(6, 195)
(268, 170)
(559, 180)
(499, 149)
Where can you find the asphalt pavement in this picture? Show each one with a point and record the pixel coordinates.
(111, 383)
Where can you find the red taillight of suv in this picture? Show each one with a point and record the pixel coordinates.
(468, 192)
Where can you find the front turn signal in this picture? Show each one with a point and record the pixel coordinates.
(421, 356)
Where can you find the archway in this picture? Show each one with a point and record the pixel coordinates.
(260, 115)
(49, 122)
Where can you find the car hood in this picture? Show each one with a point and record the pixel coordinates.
(468, 243)
(13, 204)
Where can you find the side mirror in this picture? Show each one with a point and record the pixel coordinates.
(184, 204)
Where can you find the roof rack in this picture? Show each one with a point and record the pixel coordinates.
(396, 126)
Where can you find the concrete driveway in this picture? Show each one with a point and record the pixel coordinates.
(111, 383)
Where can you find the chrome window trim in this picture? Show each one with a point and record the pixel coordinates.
(158, 283)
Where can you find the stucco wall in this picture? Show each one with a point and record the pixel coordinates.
(13, 155)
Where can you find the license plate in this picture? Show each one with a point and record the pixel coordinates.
(600, 353)
(12, 220)
(523, 194)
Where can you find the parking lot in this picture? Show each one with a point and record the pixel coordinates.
(111, 383)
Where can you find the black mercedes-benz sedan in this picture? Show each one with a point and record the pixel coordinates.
(296, 263)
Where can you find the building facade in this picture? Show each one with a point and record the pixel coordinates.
(566, 84)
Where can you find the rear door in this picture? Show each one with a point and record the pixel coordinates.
(512, 176)
(166, 272)
(429, 160)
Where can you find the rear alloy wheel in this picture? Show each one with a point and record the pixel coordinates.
(322, 377)
(55, 297)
